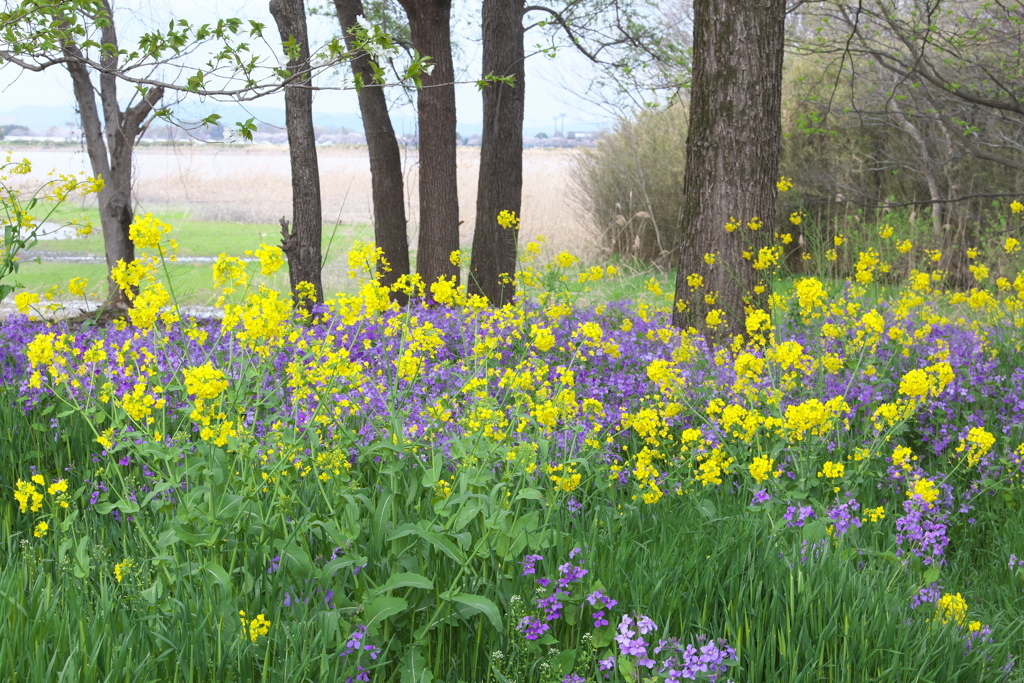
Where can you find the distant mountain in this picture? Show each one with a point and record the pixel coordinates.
(40, 118)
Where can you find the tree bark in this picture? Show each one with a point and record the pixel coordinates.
(302, 245)
(500, 184)
(732, 159)
(387, 183)
(430, 26)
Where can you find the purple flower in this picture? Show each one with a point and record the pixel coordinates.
(795, 517)
(760, 497)
(528, 564)
(532, 627)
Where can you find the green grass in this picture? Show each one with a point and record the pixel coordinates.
(198, 237)
(192, 282)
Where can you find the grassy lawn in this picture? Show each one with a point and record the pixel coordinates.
(191, 282)
(200, 238)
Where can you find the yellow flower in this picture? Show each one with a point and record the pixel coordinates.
(904, 246)
(832, 470)
(565, 259)
(784, 184)
(271, 258)
(1012, 245)
(205, 381)
(41, 529)
(977, 444)
(229, 270)
(456, 258)
(926, 489)
(147, 232)
(27, 497)
(761, 468)
(25, 301)
(1016, 207)
(795, 218)
(121, 569)
(77, 285)
(508, 219)
(885, 231)
(710, 259)
(952, 608)
(767, 257)
(257, 627)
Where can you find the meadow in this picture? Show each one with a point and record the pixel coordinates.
(565, 489)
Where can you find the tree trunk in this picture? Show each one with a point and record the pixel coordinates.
(110, 148)
(927, 166)
(732, 158)
(388, 185)
(302, 245)
(430, 26)
(500, 185)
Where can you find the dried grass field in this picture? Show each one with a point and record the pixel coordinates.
(251, 184)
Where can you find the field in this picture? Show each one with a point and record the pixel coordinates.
(566, 489)
(224, 199)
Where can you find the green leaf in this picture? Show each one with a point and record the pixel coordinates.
(562, 663)
(404, 580)
(217, 573)
(625, 668)
(436, 539)
(414, 668)
(295, 559)
(707, 508)
(603, 636)
(814, 531)
(482, 604)
(931, 576)
(153, 593)
(430, 477)
(82, 563)
(381, 608)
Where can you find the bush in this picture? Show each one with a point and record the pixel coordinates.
(631, 184)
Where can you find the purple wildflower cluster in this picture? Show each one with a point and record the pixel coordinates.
(356, 644)
(674, 662)
(634, 633)
(552, 605)
(844, 515)
(600, 602)
(922, 529)
(796, 516)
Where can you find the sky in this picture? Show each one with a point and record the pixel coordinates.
(548, 102)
